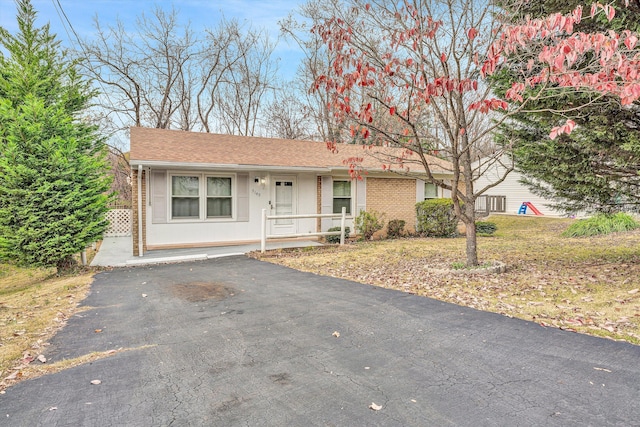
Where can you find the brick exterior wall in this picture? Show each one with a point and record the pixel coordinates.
(134, 204)
(395, 197)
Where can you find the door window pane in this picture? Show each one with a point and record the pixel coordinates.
(284, 201)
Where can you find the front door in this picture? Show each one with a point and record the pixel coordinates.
(283, 203)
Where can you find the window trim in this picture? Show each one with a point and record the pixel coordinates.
(438, 191)
(207, 197)
(172, 196)
(333, 196)
(202, 196)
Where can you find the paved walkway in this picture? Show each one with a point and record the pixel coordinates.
(238, 342)
(118, 252)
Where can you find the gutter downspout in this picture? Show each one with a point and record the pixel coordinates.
(140, 248)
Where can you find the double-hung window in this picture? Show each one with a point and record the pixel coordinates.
(341, 196)
(219, 200)
(185, 197)
(200, 196)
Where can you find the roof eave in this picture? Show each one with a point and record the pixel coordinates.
(223, 166)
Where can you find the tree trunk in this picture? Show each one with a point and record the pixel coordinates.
(470, 226)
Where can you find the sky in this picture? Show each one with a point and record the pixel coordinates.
(200, 13)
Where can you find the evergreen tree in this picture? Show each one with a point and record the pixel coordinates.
(595, 168)
(53, 179)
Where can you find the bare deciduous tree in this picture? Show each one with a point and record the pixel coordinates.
(162, 75)
(121, 173)
(316, 62)
(288, 118)
(247, 84)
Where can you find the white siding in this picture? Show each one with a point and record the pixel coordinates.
(515, 192)
(254, 195)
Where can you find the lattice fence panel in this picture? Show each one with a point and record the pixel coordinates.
(120, 222)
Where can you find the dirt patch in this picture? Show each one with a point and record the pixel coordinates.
(202, 291)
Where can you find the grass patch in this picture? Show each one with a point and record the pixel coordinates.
(588, 285)
(34, 304)
(602, 224)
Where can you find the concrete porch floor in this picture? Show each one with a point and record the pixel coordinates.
(118, 252)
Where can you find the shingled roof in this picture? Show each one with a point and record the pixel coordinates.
(166, 147)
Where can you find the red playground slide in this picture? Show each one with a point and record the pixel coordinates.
(525, 205)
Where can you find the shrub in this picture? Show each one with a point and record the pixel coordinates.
(486, 228)
(395, 228)
(601, 224)
(367, 223)
(336, 238)
(436, 218)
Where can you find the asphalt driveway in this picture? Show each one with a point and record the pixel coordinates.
(234, 341)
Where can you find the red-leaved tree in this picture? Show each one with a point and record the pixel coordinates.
(408, 74)
(412, 75)
(604, 63)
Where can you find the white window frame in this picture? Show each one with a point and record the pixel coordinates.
(172, 196)
(438, 191)
(351, 198)
(232, 197)
(202, 197)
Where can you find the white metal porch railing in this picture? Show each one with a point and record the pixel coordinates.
(264, 236)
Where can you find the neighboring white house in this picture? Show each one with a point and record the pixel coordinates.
(514, 192)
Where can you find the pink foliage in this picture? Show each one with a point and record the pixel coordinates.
(566, 128)
(615, 69)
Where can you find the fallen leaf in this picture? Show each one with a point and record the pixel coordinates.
(634, 291)
(96, 382)
(42, 359)
(375, 407)
(14, 375)
(336, 334)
